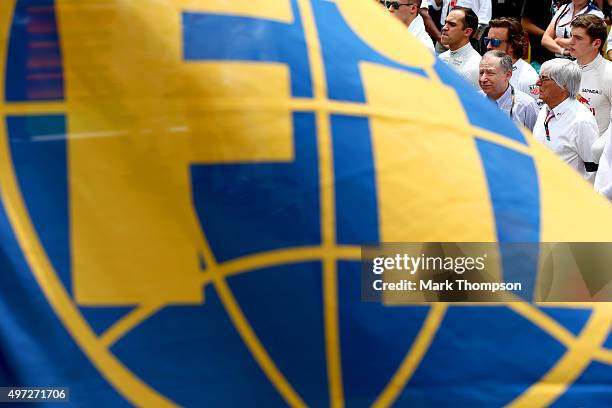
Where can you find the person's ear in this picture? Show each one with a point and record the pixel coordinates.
(597, 43)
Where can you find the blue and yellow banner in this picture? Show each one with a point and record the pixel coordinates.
(186, 185)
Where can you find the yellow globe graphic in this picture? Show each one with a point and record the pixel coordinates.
(190, 184)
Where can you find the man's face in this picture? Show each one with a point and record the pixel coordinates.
(406, 12)
(581, 45)
(453, 32)
(549, 90)
(493, 80)
(499, 34)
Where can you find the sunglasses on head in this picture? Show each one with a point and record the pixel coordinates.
(395, 4)
(495, 42)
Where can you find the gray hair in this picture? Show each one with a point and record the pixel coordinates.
(565, 73)
(505, 62)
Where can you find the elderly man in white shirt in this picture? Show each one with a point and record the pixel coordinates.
(407, 11)
(495, 75)
(565, 125)
(459, 27)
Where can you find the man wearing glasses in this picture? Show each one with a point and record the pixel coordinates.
(459, 26)
(407, 11)
(495, 74)
(565, 125)
(506, 34)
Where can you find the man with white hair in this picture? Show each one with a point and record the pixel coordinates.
(495, 82)
(565, 125)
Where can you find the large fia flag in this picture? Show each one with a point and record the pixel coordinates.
(185, 186)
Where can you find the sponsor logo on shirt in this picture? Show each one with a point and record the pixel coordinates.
(585, 102)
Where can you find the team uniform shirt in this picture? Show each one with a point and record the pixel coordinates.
(571, 132)
(417, 28)
(465, 61)
(565, 15)
(482, 8)
(522, 108)
(603, 179)
(596, 94)
(524, 77)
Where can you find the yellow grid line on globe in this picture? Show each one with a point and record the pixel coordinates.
(572, 364)
(45, 108)
(603, 355)
(128, 322)
(326, 106)
(244, 328)
(226, 269)
(328, 215)
(544, 322)
(413, 358)
(285, 256)
(257, 350)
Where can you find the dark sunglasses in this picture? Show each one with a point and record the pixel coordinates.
(394, 4)
(495, 42)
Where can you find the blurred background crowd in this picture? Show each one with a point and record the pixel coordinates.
(545, 63)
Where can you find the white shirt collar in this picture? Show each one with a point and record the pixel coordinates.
(505, 96)
(593, 64)
(563, 107)
(462, 51)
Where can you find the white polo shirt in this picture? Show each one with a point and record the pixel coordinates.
(596, 90)
(524, 77)
(417, 28)
(596, 95)
(572, 131)
(465, 61)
